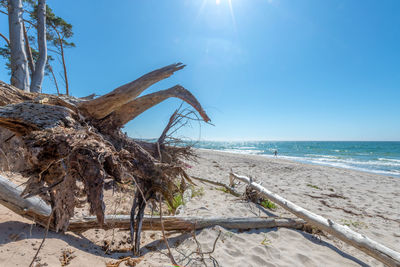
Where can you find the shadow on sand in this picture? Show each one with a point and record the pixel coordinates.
(14, 231)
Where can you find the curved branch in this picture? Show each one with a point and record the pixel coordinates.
(136, 107)
(106, 104)
(5, 39)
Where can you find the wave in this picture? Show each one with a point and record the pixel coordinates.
(332, 161)
(381, 158)
(344, 164)
(243, 151)
(357, 162)
(323, 156)
(392, 160)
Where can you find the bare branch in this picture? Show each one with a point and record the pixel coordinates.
(54, 79)
(106, 104)
(6, 39)
(134, 108)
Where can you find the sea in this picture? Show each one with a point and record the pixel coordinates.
(374, 157)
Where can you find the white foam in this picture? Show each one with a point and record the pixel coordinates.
(328, 160)
(386, 159)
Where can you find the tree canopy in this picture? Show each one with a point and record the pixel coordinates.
(58, 35)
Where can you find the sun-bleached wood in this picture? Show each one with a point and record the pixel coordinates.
(100, 107)
(177, 223)
(37, 210)
(31, 208)
(230, 189)
(344, 233)
(134, 108)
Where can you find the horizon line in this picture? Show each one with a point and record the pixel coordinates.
(272, 140)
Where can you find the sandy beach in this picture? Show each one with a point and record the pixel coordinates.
(367, 203)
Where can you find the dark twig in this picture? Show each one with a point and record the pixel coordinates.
(165, 239)
(200, 253)
(44, 238)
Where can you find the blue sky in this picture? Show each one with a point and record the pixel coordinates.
(263, 70)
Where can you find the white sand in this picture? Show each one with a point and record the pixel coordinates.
(368, 203)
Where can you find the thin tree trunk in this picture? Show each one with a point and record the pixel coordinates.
(38, 75)
(19, 63)
(60, 40)
(28, 51)
(54, 79)
(363, 243)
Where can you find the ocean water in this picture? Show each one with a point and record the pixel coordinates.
(375, 157)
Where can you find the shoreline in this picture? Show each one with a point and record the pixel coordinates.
(366, 203)
(299, 160)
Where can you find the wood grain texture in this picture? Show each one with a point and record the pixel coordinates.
(100, 107)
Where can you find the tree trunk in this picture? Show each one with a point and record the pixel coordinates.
(36, 209)
(38, 74)
(70, 152)
(178, 223)
(60, 40)
(54, 79)
(19, 63)
(371, 247)
(28, 51)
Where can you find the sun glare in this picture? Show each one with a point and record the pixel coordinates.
(218, 2)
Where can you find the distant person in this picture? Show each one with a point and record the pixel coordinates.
(276, 153)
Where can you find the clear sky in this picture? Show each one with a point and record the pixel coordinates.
(262, 69)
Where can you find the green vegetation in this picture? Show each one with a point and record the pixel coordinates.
(178, 198)
(268, 204)
(266, 242)
(314, 186)
(226, 235)
(58, 35)
(176, 202)
(356, 224)
(223, 189)
(197, 192)
(155, 213)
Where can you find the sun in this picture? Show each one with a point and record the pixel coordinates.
(218, 2)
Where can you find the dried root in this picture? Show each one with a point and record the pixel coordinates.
(73, 146)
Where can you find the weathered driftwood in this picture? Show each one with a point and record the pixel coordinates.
(36, 209)
(100, 107)
(132, 109)
(72, 145)
(33, 208)
(369, 246)
(177, 223)
(230, 189)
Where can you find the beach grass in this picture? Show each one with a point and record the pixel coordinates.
(268, 204)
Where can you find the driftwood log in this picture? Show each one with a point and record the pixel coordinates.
(344, 233)
(230, 189)
(35, 209)
(72, 146)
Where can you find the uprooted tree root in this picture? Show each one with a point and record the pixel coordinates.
(72, 146)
